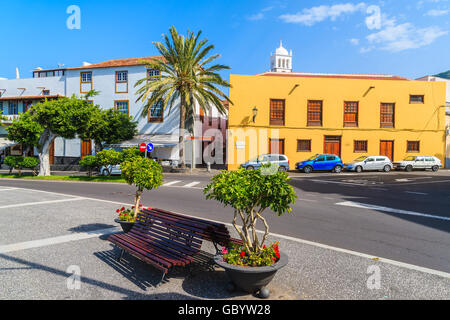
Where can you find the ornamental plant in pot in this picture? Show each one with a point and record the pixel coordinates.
(144, 174)
(252, 194)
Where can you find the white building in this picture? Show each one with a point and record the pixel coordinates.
(447, 113)
(281, 61)
(114, 80)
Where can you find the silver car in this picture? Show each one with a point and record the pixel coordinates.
(370, 163)
(411, 163)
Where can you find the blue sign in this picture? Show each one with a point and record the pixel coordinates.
(150, 147)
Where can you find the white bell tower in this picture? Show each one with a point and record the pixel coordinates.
(281, 61)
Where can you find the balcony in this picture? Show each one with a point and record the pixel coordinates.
(10, 118)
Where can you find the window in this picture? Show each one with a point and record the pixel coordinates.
(331, 158)
(303, 145)
(351, 113)
(156, 112)
(202, 115)
(387, 113)
(153, 74)
(360, 146)
(320, 159)
(277, 112)
(86, 77)
(121, 76)
(26, 105)
(122, 106)
(45, 92)
(314, 113)
(413, 146)
(13, 107)
(416, 99)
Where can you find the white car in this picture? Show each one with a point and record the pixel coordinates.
(419, 162)
(370, 163)
(115, 170)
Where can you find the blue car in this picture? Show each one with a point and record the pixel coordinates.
(279, 159)
(321, 162)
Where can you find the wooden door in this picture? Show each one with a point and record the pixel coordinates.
(52, 153)
(387, 149)
(276, 146)
(86, 148)
(332, 145)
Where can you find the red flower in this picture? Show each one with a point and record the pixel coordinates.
(117, 210)
(132, 207)
(123, 208)
(264, 247)
(278, 255)
(140, 205)
(243, 254)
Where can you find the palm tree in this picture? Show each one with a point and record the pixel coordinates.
(186, 78)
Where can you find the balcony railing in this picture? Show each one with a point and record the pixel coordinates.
(10, 117)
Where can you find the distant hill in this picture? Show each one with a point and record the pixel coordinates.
(445, 75)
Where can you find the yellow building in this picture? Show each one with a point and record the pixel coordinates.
(302, 114)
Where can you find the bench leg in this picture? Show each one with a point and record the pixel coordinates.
(161, 281)
(121, 255)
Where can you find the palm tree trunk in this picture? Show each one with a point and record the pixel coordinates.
(182, 163)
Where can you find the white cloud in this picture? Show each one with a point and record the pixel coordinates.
(354, 41)
(256, 16)
(437, 13)
(311, 16)
(396, 38)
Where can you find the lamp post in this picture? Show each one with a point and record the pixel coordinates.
(255, 113)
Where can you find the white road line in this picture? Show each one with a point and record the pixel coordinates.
(170, 183)
(192, 184)
(39, 203)
(419, 193)
(337, 182)
(311, 243)
(386, 209)
(8, 189)
(57, 240)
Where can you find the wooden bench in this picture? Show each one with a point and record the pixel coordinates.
(165, 239)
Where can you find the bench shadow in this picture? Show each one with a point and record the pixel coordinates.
(91, 227)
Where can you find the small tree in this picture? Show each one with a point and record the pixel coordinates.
(250, 193)
(14, 162)
(30, 163)
(89, 163)
(144, 174)
(130, 153)
(108, 158)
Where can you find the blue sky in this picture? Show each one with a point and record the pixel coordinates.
(403, 37)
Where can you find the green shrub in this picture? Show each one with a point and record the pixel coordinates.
(108, 158)
(130, 153)
(14, 162)
(144, 174)
(30, 163)
(89, 163)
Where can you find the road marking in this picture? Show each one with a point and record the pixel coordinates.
(8, 189)
(419, 193)
(403, 180)
(39, 203)
(311, 243)
(192, 184)
(386, 209)
(171, 183)
(335, 182)
(56, 240)
(425, 182)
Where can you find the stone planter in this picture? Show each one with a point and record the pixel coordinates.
(126, 226)
(252, 279)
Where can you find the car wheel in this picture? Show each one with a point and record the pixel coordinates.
(434, 168)
(337, 169)
(408, 168)
(387, 168)
(282, 169)
(105, 172)
(250, 168)
(307, 169)
(359, 169)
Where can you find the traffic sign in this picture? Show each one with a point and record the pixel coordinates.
(143, 147)
(150, 147)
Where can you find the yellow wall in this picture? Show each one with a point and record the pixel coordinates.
(422, 122)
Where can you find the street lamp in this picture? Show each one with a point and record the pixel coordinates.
(255, 113)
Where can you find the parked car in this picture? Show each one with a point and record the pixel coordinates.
(321, 162)
(115, 170)
(370, 163)
(255, 163)
(419, 163)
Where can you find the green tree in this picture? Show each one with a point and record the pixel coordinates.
(144, 174)
(109, 127)
(108, 158)
(250, 193)
(90, 163)
(66, 118)
(30, 163)
(130, 153)
(14, 162)
(186, 78)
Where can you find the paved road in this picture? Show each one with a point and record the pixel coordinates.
(404, 217)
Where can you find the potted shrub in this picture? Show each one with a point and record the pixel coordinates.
(250, 193)
(144, 174)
